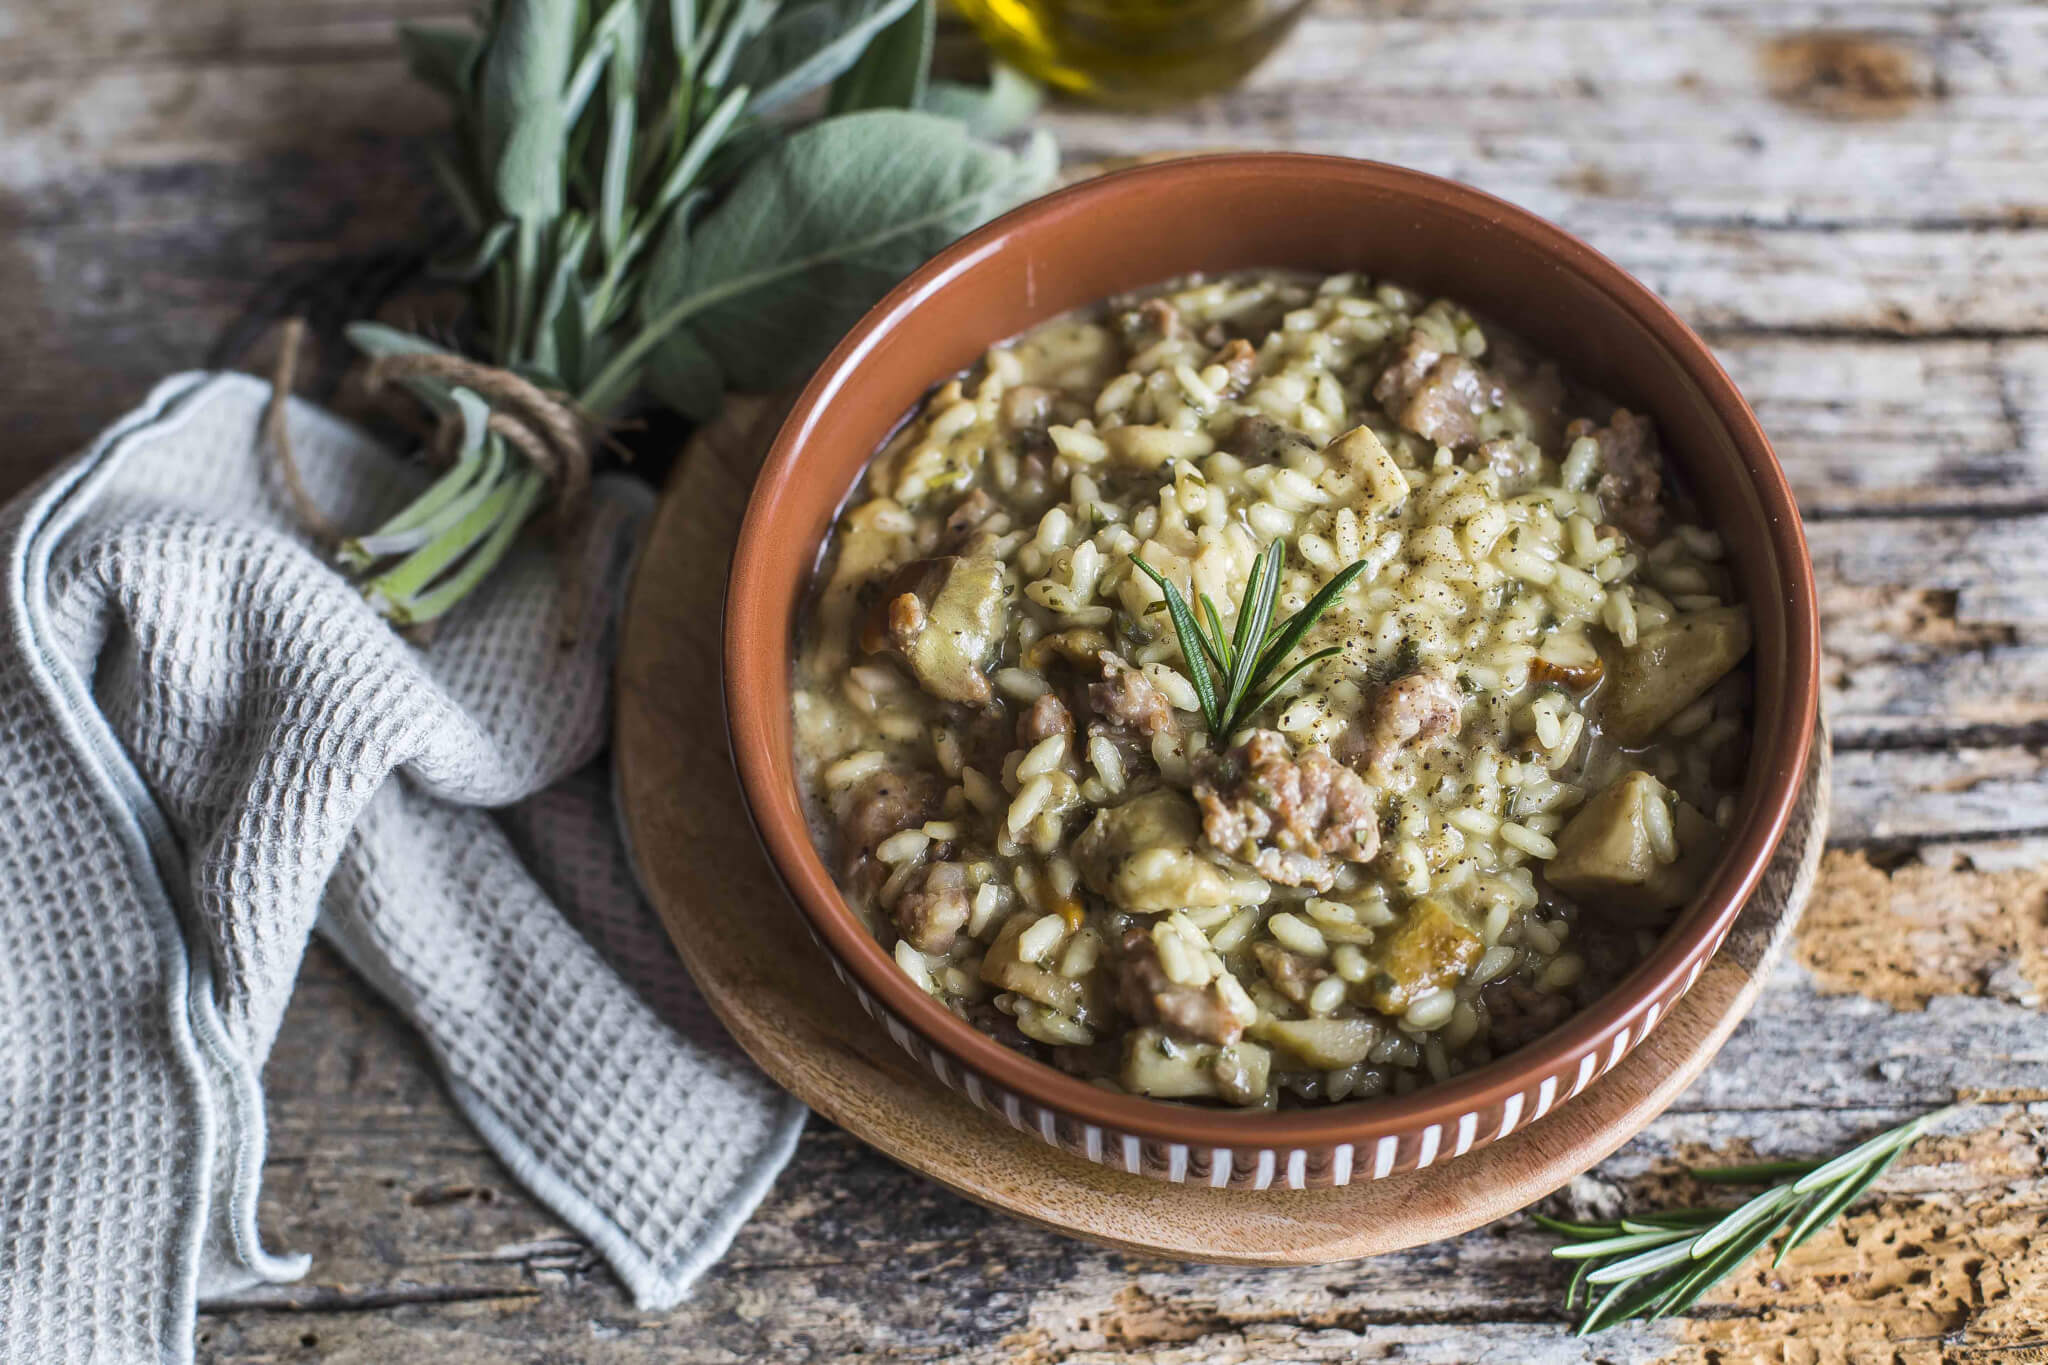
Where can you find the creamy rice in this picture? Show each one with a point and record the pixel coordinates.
(1431, 848)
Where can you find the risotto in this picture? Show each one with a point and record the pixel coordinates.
(1505, 766)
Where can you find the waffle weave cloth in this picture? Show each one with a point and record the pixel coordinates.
(210, 748)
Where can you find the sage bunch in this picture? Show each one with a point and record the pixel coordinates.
(641, 215)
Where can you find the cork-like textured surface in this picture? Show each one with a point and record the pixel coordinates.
(1849, 198)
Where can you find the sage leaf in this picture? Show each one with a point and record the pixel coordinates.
(442, 58)
(525, 72)
(685, 376)
(996, 110)
(481, 256)
(816, 229)
(808, 45)
(892, 73)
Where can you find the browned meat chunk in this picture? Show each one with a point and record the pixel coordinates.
(933, 907)
(1292, 974)
(1410, 710)
(881, 805)
(1437, 396)
(1291, 817)
(943, 616)
(1149, 996)
(1241, 362)
(1042, 720)
(1127, 697)
(1264, 440)
(1632, 483)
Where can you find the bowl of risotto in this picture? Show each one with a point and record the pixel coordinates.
(1269, 669)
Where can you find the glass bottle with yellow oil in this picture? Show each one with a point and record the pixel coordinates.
(1134, 52)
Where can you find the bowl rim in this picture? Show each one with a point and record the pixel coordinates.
(757, 700)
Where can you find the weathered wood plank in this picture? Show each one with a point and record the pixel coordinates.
(1997, 567)
(1910, 796)
(1933, 114)
(1724, 118)
(40, 37)
(852, 1255)
(1864, 426)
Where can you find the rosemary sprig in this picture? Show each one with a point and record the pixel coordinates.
(1230, 671)
(1654, 1266)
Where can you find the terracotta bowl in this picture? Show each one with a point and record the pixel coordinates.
(1141, 226)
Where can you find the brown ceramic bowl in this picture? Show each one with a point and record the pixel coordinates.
(1141, 226)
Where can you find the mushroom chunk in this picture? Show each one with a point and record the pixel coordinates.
(1429, 949)
(1148, 995)
(1169, 1068)
(1323, 1044)
(1142, 856)
(944, 616)
(1608, 859)
(1292, 817)
(1360, 455)
(1670, 668)
(1005, 967)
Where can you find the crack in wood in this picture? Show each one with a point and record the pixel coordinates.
(332, 1299)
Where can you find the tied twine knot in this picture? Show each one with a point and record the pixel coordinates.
(555, 436)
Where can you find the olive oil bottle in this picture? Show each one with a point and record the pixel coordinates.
(1134, 52)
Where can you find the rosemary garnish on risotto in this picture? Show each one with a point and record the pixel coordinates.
(1229, 670)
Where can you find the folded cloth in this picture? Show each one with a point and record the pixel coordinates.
(207, 741)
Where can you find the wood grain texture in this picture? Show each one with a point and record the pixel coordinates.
(1850, 195)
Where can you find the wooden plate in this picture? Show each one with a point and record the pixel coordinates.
(748, 950)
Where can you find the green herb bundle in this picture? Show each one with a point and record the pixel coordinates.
(1660, 1264)
(641, 214)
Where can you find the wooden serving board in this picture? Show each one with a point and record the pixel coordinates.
(747, 947)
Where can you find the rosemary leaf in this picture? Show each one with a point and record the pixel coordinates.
(1646, 1262)
(1544, 1220)
(1861, 1155)
(1290, 632)
(1259, 702)
(1578, 1284)
(1723, 1263)
(1824, 1211)
(1192, 646)
(1619, 1246)
(1261, 593)
(1761, 1173)
(1744, 1218)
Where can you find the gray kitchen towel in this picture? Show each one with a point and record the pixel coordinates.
(207, 743)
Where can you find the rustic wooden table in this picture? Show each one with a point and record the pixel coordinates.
(1849, 198)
